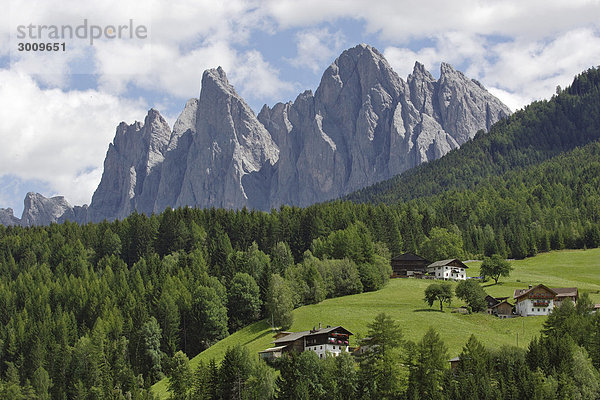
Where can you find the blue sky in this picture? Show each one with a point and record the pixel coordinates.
(60, 109)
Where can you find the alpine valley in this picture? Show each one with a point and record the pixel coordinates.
(162, 301)
(364, 124)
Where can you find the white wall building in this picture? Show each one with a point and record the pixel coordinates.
(452, 269)
(330, 341)
(324, 350)
(541, 300)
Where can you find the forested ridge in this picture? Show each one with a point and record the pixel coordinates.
(104, 310)
(536, 133)
(101, 310)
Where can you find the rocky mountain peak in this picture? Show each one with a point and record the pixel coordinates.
(186, 120)
(363, 124)
(132, 169)
(354, 73)
(230, 143)
(420, 73)
(447, 69)
(39, 210)
(214, 81)
(7, 217)
(464, 105)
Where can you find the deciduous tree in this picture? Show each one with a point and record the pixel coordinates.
(441, 292)
(495, 267)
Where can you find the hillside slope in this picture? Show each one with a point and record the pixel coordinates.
(402, 299)
(540, 131)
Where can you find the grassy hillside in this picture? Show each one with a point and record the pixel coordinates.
(402, 299)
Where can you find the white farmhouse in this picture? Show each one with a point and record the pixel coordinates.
(541, 300)
(452, 269)
(323, 341)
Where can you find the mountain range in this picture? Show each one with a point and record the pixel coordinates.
(363, 124)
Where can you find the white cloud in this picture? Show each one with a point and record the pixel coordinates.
(519, 50)
(401, 21)
(167, 70)
(315, 47)
(403, 60)
(534, 69)
(257, 78)
(517, 71)
(58, 137)
(184, 38)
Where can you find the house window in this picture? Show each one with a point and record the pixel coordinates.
(320, 355)
(321, 347)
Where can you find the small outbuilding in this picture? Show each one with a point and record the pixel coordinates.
(454, 362)
(503, 309)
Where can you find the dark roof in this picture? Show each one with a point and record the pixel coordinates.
(523, 292)
(273, 349)
(491, 299)
(298, 335)
(443, 263)
(502, 302)
(408, 257)
(566, 292)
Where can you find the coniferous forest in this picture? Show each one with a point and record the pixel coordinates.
(102, 311)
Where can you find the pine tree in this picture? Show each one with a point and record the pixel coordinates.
(426, 367)
(181, 377)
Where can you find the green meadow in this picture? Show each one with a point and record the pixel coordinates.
(403, 300)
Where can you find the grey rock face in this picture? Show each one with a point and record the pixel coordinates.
(7, 217)
(228, 144)
(465, 106)
(365, 124)
(175, 163)
(132, 169)
(362, 125)
(39, 210)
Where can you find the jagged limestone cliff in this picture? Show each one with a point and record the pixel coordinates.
(362, 125)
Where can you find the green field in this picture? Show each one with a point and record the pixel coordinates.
(403, 300)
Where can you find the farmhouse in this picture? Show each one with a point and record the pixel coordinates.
(323, 341)
(541, 300)
(453, 269)
(409, 264)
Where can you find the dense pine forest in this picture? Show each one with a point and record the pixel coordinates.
(104, 310)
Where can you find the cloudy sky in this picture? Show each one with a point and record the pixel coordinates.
(59, 109)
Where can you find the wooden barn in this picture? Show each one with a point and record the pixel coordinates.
(409, 265)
